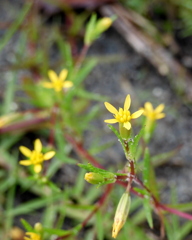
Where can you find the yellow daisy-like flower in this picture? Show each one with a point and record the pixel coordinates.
(151, 113)
(58, 82)
(32, 236)
(123, 115)
(36, 157)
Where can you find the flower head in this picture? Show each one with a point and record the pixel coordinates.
(36, 157)
(151, 113)
(58, 82)
(123, 115)
(32, 236)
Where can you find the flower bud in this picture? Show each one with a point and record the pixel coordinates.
(100, 178)
(38, 227)
(121, 214)
(103, 24)
(94, 178)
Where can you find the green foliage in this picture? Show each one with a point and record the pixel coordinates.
(147, 182)
(61, 199)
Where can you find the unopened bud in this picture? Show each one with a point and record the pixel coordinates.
(94, 178)
(38, 227)
(103, 24)
(121, 214)
(100, 178)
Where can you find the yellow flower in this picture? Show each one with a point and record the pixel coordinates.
(153, 114)
(58, 82)
(36, 157)
(32, 236)
(121, 214)
(123, 115)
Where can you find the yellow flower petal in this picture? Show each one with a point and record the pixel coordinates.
(127, 125)
(25, 162)
(37, 168)
(159, 108)
(38, 145)
(148, 107)
(127, 102)
(26, 151)
(111, 121)
(48, 155)
(63, 75)
(67, 84)
(47, 84)
(52, 76)
(137, 114)
(32, 236)
(160, 115)
(110, 108)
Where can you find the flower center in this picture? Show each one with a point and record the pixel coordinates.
(123, 116)
(58, 85)
(151, 115)
(36, 157)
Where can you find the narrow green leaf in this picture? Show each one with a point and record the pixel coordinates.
(148, 210)
(11, 30)
(146, 177)
(90, 96)
(119, 138)
(184, 230)
(133, 145)
(26, 225)
(65, 51)
(146, 169)
(89, 29)
(80, 183)
(58, 232)
(33, 205)
(9, 94)
(99, 226)
(77, 79)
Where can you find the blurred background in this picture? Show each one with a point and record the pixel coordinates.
(147, 53)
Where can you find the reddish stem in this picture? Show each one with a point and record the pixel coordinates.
(81, 151)
(81, 56)
(27, 124)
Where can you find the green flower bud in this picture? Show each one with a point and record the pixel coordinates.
(100, 178)
(121, 214)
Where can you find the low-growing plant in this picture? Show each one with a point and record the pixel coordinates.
(59, 116)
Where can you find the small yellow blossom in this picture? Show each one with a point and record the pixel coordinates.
(121, 214)
(123, 115)
(58, 82)
(36, 157)
(151, 113)
(32, 236)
